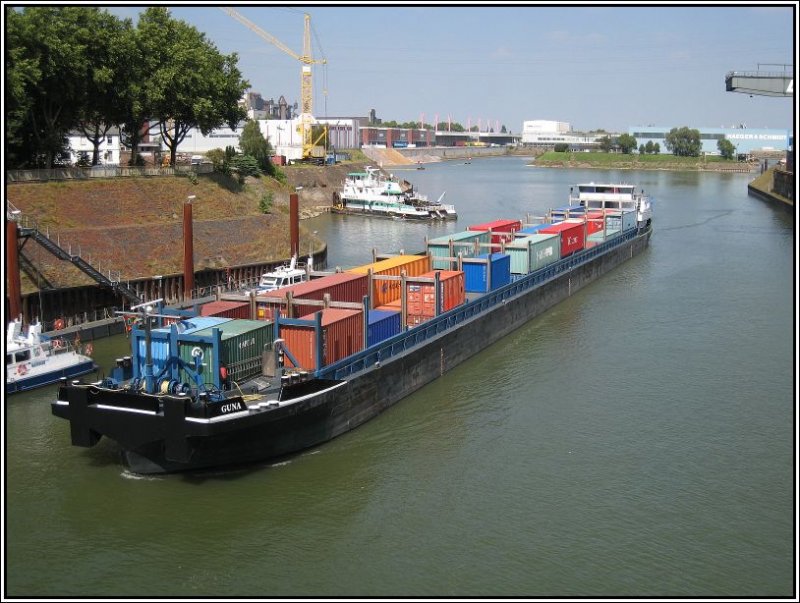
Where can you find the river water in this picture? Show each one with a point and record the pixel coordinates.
(636, 440)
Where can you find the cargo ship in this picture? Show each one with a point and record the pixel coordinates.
(329, 355)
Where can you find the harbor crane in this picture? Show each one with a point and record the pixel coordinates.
(310, 149)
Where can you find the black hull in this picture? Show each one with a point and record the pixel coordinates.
(158, 437)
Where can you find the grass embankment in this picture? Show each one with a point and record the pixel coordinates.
(135, 225)
(642, 162)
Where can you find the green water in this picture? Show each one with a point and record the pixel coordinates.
(636, 440)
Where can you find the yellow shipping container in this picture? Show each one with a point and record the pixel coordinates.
(385, 292)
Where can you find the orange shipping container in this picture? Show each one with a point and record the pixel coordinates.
(595, 221)
(421, 298)
(226, 309)
(342, 335)
(383, 291)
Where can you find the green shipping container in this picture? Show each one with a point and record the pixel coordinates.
(241, 350)
(598, 237)
(533, 252)
(463, 242)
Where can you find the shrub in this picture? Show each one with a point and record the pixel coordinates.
(265, 205)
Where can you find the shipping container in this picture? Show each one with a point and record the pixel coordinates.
(532, 229)
(159, 345)
(226, 309)
(462, 242)
(476, 274)
(573, 235)
(342, 335)
(595, 221)
(241, 348)
(502, 230)
(421, 298)
(381, 325)
(621, 220)
(385, 291)
(342, 286)
(533, 252)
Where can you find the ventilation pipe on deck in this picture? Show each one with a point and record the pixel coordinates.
(12, 266)
(294, 225)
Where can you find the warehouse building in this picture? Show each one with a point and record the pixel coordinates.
(746, 140)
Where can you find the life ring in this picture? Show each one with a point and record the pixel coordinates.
(22, 369)
(89, 349)
(57, 343)
(223, 373)
(59, 324)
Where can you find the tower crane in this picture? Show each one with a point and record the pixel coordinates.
(306, 89)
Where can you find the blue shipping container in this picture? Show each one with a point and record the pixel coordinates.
(159, 347)
(382, 324)
(475, 274)
(532, 229)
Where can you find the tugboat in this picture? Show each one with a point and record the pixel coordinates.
(34, 360)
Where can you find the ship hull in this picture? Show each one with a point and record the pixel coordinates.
(50, 377)
(161, 438)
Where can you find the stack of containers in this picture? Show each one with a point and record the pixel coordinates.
(533, 252)
(482, 277)
(421, 297)
(342, 286)
(242, 344)
(159, 343)
(502, 231)
(226, 309)
(453, 244)
(342, 335)
(386, 291)
(382, 324)
(573, 237)
(595, 221)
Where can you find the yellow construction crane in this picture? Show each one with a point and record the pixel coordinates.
(306, 91)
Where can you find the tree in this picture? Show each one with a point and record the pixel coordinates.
(726, 148)
(109, 77)
(47, 67)
(656, 148)
(642, 149)
(605, 143)
(626, 143)
(192, 84)
(649, 147)
(683, 142)
(253, 143)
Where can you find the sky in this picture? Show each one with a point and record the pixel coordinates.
(590, 65)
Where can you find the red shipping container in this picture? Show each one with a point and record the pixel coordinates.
(595, 221)
(342, 335)
(573, 236)
(343, 286)
(502, 231)
(226, 309)
(421, 298)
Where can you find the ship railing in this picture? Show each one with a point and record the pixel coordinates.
(404, 341)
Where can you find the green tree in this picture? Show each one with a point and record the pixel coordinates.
(253, 143)
(626, 143)
(683, 142)
(649, 147)
(48, 66)
(109, 77)
(605, 143)
(192, 85)
(642, 149)
(726, 148)
(656, 148)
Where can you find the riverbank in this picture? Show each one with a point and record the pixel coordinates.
(618, 161)
(763, 188)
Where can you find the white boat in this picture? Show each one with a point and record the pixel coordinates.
(372, 193)
(621, 197)
(33, 360)
(284, 276)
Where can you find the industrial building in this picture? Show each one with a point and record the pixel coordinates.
(746, 140)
